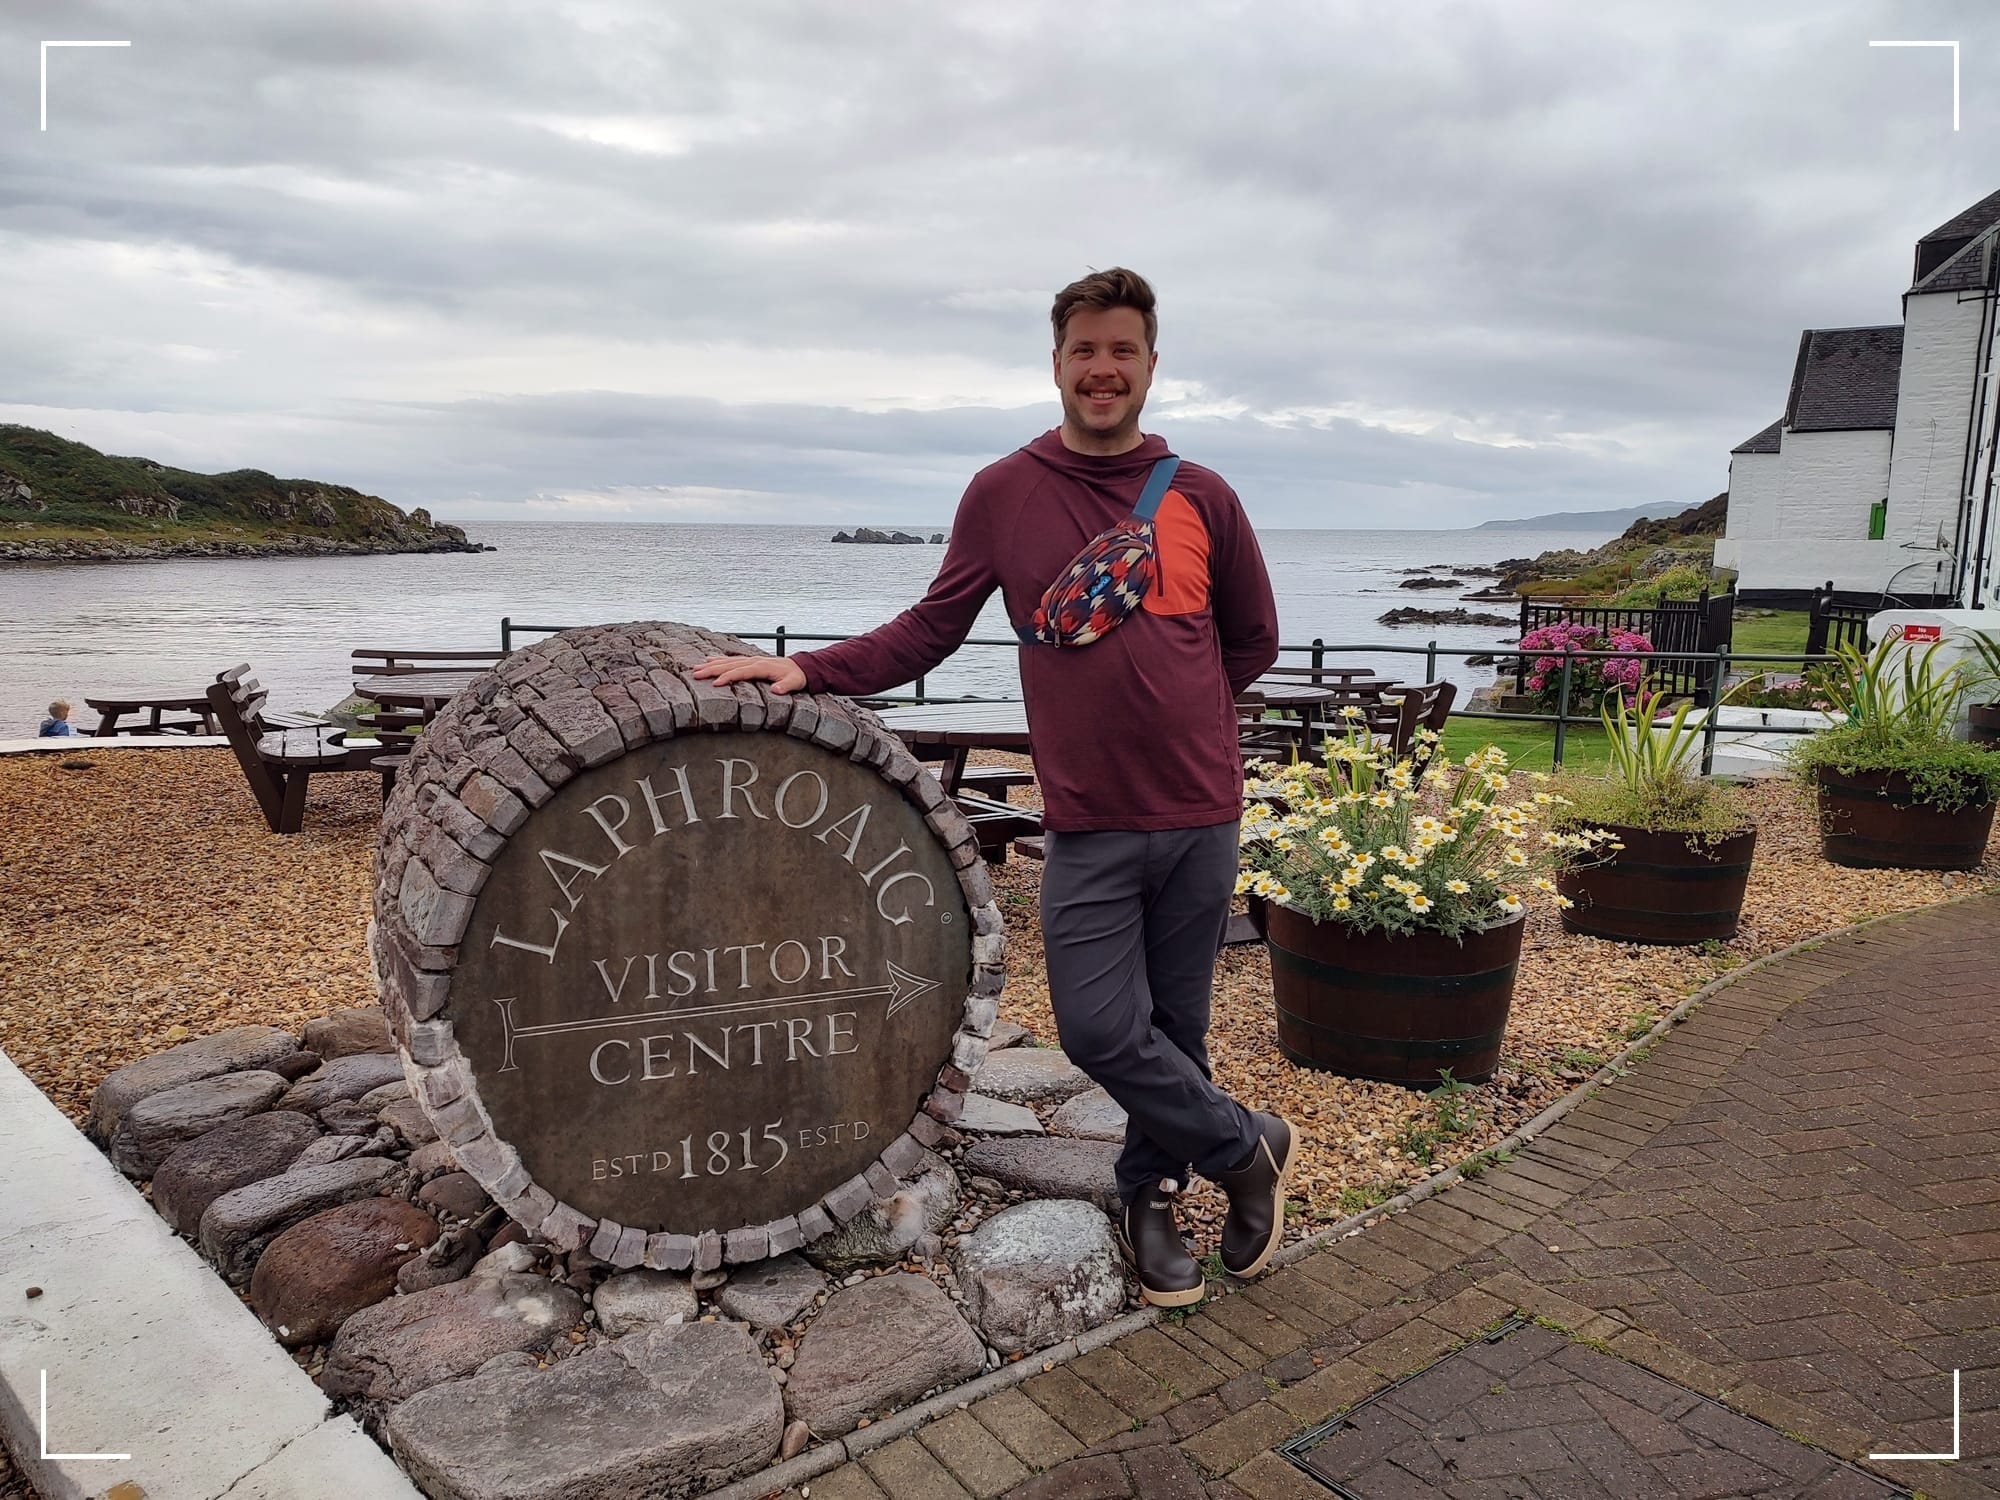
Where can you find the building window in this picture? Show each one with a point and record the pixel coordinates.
(1878, 520)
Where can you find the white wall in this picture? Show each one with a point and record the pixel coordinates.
(1805, 563)
(1828, 482)
(1986, 589)
(1940, 362)
(1755, 482)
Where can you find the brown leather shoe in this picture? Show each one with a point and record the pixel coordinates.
(1256, 1222)
(1151, 1240)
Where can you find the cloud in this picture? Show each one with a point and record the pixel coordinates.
(513, 256)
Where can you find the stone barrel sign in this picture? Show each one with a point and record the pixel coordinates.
(684, 975)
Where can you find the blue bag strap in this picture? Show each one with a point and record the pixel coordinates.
(1156, 487)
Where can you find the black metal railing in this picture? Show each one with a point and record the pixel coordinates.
(1832, 623)
(1686, 629)
(1576, 704)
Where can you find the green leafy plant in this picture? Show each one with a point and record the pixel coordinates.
(1652, 781)
(1454, 1103)
(1356, 1200)
(1902, 708)
(1681, 581)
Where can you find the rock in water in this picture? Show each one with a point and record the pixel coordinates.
(408, 1344)
(1094, 1116)
(1031, 1075)
(228, 1157)
(1039, 1273)
(240, 1223)
(345, 1078)
(877, 1345)
(156, 1126)
(236, 1050)
(346, 1032)
(882, 1232)
(324, 1269)
(638, 1301)
(673, 1413)
(771, 1293)
(1051, 1167)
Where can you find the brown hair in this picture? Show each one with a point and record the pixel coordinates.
(1116, 287)
(59, 709)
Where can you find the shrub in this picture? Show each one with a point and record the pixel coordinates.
(1589, 675)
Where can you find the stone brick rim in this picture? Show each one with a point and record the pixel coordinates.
(583, 698)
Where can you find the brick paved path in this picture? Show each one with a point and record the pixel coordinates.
(1792, 1207)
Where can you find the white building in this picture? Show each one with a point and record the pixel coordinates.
(1879, 475)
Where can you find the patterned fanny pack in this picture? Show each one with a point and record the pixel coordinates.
(1108, 579)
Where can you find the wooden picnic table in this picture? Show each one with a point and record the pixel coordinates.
(154, 705)
(294, 754)
(424, 691)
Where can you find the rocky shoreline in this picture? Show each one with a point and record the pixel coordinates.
(113, 549)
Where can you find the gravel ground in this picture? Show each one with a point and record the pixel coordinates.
(147, 903)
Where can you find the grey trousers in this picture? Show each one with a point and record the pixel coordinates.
(1131, 925)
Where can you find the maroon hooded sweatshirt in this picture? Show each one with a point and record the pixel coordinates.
(1138, 729)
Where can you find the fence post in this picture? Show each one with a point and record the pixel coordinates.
(920, 690)
(1716, 682)
(780, 641)
(1521, 662)
(1562, 704)
(1319, 654)
(506, 634)
(1431, 662)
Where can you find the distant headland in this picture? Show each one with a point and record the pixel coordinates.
(64, 501)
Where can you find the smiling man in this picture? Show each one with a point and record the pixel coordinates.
(1134, 733)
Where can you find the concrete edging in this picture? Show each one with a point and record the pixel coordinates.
(146, 1349)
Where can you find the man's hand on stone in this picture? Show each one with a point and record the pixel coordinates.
(781, 672)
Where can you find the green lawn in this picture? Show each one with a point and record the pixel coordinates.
(1531, 747)
(1783, 632)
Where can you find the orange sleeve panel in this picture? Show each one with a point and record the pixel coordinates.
(1181, 542)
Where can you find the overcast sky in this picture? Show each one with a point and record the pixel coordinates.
(1419, 264)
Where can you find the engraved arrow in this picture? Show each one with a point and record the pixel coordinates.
(902, 989)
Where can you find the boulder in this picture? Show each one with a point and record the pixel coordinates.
(1093, 1116)
(636, 1301)
(1038, 1273)
(233, 1051)
(407, 1118)
(408, 1344)
(987, 1116)
(348, 1118)
(882, 1233)
(344, 1078)
(240, 1223)
(324, 1269)
(456, 1194)
(771, 1293)
(1031, 1075)
(295, 1065)
(1006, 1034)
(676, 1412)
(347, 1032)
(388, 1094)
(1050, 1167)
(883, 1343)
(227, 1157)
(332, 1148)
(157, 1125)
(428, 1161)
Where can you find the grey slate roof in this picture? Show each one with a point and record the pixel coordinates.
(1764, 442)
(1846, 379)
(1941, 264)
(1971, 269)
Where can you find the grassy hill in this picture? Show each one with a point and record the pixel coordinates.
(60, 499)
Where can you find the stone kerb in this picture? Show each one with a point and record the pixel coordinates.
(545, 717)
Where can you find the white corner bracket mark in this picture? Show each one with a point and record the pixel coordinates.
(1954, 69)
(1943, 1458)
(45, 1432)
(45, 69)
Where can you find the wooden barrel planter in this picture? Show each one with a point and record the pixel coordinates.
(1985, 719)
(1661, 888)
(1397, 1009)
(1874, 820)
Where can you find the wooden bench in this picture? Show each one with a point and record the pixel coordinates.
(154, 705)
(400, 722)
(279, 752)
(994, 781)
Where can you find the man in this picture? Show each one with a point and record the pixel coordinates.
(1135, 747)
